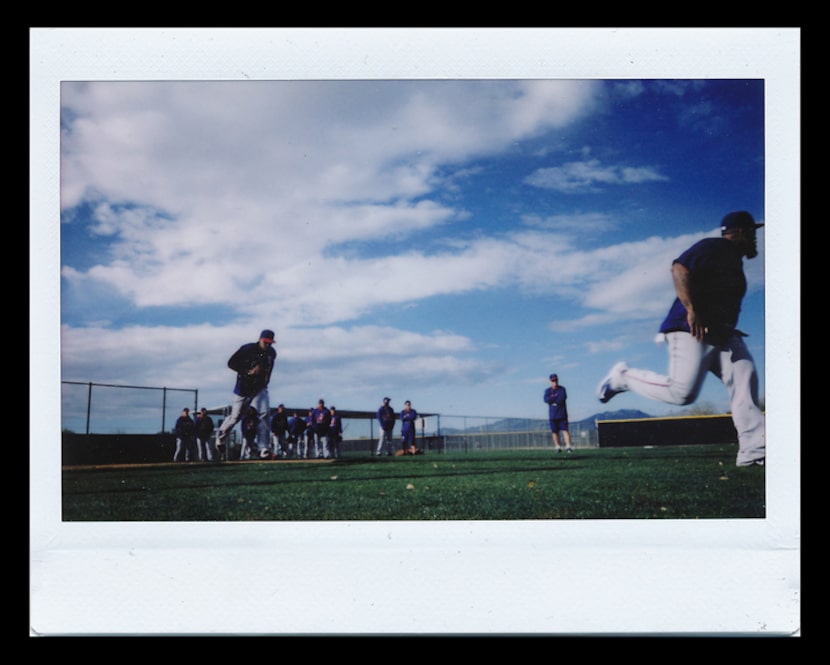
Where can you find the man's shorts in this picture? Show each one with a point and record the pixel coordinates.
(558, 425)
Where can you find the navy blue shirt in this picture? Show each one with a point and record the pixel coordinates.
(718, 286)
(556, 399)
(321, 419)
(408, 419)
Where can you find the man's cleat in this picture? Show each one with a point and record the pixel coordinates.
(755, 462)
(612, 384)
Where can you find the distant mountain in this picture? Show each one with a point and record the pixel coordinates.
(521, 424)
(620, 414)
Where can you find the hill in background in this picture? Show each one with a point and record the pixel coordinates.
(519, 424)
(619, 414)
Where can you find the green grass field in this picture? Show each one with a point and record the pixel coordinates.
(689, 482)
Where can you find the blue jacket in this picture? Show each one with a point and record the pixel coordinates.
(556, 399)
(408, 419)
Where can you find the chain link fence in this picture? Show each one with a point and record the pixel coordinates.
(102, 408)
(470, 433)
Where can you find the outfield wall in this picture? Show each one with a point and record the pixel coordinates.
(91, 449)
(104, 449)
(669, 431)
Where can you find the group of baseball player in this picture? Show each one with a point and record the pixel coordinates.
(386, 418)
(267, 436)
(194, 437)
(317, 435)
(701, 335)
(700, 331)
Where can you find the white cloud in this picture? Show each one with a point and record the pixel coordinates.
(590, 175)
(223, 192)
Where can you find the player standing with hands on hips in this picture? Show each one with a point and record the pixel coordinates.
(253, 364)
(556, 397)
(701, 334)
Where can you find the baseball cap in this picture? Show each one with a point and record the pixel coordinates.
(739, 220)
(553, 376)
(267, 335)
(186, 409)
(386, 399)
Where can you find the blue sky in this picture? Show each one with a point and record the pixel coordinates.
(450, 242)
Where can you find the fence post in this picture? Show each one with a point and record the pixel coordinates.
(88, 405)
(163, 407)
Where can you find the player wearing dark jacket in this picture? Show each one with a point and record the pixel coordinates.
(386, 419)
(320, 422)
(296, 436)
(279, 431)
(185, 431)
(250, 429)
(204, 436)
(335, 432)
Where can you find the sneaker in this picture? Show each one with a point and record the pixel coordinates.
(569, 451)
(756, 462)
(612, 384)
(558, 450)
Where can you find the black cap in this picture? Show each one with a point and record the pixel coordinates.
(386, 399)
(739, 220)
